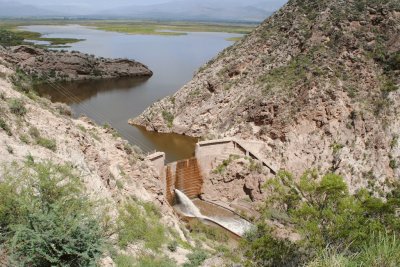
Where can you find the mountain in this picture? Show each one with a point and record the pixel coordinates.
(317, 82)
(225, 10)
(196, 10)
(15, 9)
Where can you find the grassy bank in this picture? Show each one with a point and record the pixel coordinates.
(126, 26)
(13, 26)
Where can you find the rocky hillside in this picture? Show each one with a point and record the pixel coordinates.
(48, 65)
(112, 171)
(317, 82)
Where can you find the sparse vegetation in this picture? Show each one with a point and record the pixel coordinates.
(140, 222)
(210, 232)
(222, 167)
(168, 118)
(196, 258)
(42, 141)
(4, 126)
(17, 107)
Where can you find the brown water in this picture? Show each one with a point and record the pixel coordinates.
(173, 59)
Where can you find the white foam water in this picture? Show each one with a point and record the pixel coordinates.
(238, 225)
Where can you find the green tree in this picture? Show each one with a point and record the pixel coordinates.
(323, 212)
(46, 219)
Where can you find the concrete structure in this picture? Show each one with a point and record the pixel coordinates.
(211, 153)
(158, 160)
(187, 175)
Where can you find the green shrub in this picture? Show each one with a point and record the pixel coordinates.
(24, 138)
(324, 213)
(9, 38)
(47, 143)
(42, 141)
(173, 246)
(151, 261)
(140, 222)
(17, 107)
(196, 258)
(210, 232)
(168, 118)
(5, 127)
(46, 219)
(222, 167)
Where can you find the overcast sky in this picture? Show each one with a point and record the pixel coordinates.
(117, 3)
(96, 3)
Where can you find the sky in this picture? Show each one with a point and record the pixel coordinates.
(109, 3)
(97, 3)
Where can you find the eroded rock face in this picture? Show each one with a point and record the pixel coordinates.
(55, 65)
(318, 82)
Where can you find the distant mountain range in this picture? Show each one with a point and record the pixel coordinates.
(202, 10)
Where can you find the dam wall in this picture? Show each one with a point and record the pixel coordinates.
(188, 175)
(184, 175)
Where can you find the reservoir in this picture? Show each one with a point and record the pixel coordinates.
(173, 59)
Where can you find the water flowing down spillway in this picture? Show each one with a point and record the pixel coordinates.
(188, 207)
(236, 224)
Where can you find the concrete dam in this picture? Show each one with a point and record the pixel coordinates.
(187, 177)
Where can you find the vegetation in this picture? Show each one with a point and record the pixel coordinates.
(167, 28)
(222, 167)
(10, 34)
(196, 258)
(17, 107)
(12, 37)
(168, 117)
(8, 38)
(210, 232)
(325, 215)
(4, 126)
(42, 141)
(46, 219)
(140, 221)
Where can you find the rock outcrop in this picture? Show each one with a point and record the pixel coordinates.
(318, 82)
(49, 65)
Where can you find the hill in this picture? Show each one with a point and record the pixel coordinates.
(317, 82)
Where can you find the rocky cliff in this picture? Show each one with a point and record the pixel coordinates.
(317, 82)
(49, 65)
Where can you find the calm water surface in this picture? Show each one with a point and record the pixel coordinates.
(173, 59)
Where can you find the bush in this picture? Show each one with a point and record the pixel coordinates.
(324, 213)
(140, 222)
(41, 141)
(17, 107)
(5, 127)
(46, 219)
(47, 143)
(173, 246)
(196, 258)
(168, 118)
(9, 38)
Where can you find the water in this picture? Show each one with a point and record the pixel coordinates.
(173, 59)
(187, 206)
(215, 214)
